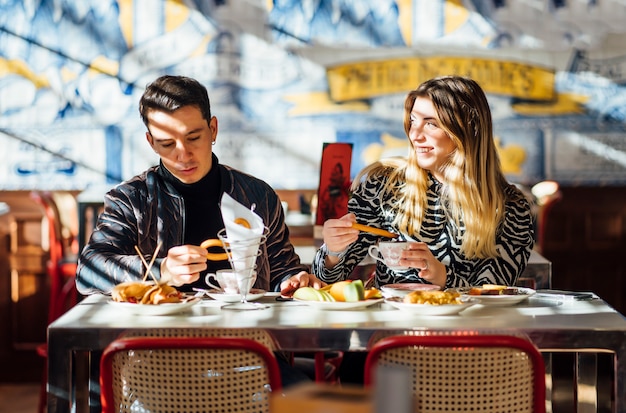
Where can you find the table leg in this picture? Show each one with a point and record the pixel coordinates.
(82, 385)
(60, 394)
(547, 361)
(620, 377)
(587, 382)
(93, 378)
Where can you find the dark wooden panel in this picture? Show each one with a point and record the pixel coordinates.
(29, 310)
(23, 289)
(585, 240)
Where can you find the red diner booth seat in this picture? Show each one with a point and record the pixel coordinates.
(61, 272)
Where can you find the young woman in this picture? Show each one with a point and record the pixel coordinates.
(470, 226)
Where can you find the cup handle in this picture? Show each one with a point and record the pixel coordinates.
(214, 256)
(373, 252)
(207, 279)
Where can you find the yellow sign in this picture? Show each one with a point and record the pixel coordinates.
(376, 78)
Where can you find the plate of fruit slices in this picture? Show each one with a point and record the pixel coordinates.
(340, 305)
(342, 295)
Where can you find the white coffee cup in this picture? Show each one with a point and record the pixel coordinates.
(391, 252)
(227, 280)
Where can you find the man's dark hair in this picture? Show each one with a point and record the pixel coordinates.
(169, 93)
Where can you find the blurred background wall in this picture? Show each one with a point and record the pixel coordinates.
(285, 76)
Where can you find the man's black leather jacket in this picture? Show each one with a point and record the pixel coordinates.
(146, 209)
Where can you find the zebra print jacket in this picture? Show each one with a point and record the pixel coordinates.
(147, 209)
(515, 240)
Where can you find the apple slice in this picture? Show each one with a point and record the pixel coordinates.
(354, 291)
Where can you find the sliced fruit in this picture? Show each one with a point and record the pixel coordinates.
(337, 290)
(372, 293)
(354, 291)
(311, 294)
(307, 294)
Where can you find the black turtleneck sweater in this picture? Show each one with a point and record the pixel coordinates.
(203, 217)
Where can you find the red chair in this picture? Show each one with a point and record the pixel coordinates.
(323, 366)
(257, 334)
(486, 373)
(61, 271)
(62, 261)
(187, 374)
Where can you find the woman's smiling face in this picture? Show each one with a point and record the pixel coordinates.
(432, 144)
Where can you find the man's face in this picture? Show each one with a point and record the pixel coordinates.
(183, 140)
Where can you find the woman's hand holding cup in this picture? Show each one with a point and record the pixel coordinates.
(401, 255)
(391, 252)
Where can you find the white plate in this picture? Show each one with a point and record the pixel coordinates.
(400, 290)
(218, 295)
(339, 305)
(428, 309)
(501, 300)
(156, 309)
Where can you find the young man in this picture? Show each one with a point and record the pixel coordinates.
(177, 204)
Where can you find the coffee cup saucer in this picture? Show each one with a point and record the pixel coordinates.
(220, 295)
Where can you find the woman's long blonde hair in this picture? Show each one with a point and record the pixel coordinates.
(473, 191)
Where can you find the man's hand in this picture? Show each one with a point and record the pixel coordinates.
(302, 279)
(183, 265)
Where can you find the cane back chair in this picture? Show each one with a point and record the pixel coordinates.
(487, 373)
(187, 374)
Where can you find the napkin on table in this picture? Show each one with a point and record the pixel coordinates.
(244, 255)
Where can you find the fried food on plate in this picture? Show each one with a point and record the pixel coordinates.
(130, 292)
(160, 294)
(432, 297)
(493, 289)
(144, 293)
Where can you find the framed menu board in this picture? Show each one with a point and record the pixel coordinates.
(334, 186)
